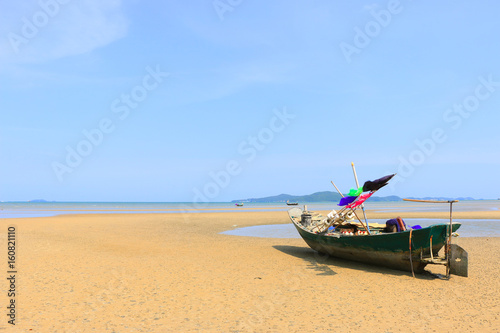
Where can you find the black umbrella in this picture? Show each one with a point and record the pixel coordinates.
(377, 183)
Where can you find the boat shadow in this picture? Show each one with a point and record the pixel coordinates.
(322, 263)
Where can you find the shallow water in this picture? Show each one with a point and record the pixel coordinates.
(37, 209)
(43, 209)
(469, 228)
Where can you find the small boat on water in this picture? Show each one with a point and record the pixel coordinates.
(291, 203)
(239, 204)
(395, 245)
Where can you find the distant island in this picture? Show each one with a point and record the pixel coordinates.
(315, 197)
(333, 197)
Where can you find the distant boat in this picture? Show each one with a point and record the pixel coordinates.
(239, 204)
(291, 203)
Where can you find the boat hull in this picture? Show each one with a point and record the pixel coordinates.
(385, 249)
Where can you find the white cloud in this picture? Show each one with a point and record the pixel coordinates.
(38, 31)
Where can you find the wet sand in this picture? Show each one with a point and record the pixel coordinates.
(177, 273)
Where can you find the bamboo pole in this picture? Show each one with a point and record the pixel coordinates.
(448, 246)
(362, 205)
(367, 230)
(337, 189)
(431, 201)
(355, 175)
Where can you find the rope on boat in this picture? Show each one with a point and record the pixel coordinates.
(411, 261)
(432, 255)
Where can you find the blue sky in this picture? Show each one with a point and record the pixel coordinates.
(219, 100)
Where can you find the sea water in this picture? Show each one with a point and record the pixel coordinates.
(470, 227)
(42, 209)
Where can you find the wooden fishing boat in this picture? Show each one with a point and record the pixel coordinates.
(344, 235)
(291, 203)
(239, 204)
(389, 249)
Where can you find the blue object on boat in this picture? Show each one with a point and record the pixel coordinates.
(398, 225)
(416, 227)
(346, 200)
(393, 222)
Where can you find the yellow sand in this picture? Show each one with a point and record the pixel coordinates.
(176, 273)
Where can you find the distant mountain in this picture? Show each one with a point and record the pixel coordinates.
(315, 197)
(334, 197)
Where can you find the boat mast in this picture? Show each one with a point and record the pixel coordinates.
(362, 205)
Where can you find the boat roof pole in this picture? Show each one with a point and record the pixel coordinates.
(450, 231)
(362, 205)
(337, 188)
(366, 228)
(448, 247)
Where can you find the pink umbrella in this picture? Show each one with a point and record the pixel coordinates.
(362, 198)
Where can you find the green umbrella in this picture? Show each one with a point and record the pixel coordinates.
(355, 192)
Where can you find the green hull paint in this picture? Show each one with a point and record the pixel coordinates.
(388, 249)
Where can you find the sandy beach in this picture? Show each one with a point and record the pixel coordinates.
(177, 273)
